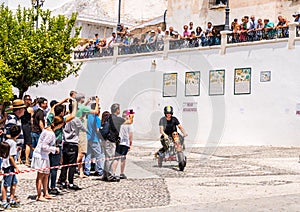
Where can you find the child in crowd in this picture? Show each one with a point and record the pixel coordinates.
(124, 146)
(9, 165)
(40, 157)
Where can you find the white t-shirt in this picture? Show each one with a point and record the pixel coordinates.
(124, 134)
(12, 152)
(46, 144)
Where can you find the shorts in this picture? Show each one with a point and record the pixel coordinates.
(82, 143)
(40, 163)
(121, 150)
(10, 179)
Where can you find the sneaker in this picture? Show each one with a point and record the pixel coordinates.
(97, 174)
(15, 205)
(104, 178)
(123, 176)
(74, 187)
(6, 206)
(113, 179)
(54, 191)
(63, 185)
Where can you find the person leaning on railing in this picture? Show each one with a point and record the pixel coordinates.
(282, 27)
(269, 29)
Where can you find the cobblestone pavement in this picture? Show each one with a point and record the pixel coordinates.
(232, 179)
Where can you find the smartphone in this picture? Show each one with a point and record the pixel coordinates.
(93, 98)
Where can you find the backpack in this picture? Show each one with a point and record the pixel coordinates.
(104, 130)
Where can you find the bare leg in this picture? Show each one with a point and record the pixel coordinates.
(4, 191)
(80, 167)
(114, 165)
(27, 153)
(123, 162)
(45, 186)
(39, 185)
(13, 191)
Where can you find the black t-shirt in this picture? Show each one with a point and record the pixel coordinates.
(115, 123)
(169, 126)
(37, 116)
(26, 118)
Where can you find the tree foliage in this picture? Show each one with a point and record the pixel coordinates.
(6, 93)
(37, 55)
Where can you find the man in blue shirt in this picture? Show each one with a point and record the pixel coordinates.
(94, 147)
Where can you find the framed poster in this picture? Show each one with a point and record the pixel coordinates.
(170, 85)
(192, 83)
(216, 82)
(265, 76)
(242, 81)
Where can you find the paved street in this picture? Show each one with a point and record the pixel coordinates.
(233, 179)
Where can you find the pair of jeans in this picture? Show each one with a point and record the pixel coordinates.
(94, 150)
(54, 161)
(35, 138)
(70, 154)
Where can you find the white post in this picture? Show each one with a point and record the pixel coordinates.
(292, 35)
(166, 48)
(224, 41)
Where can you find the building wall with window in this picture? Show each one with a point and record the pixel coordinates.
(181, 12)
(267, 115)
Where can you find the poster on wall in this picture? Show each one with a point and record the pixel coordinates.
(192, 83)
(242, 81)
(170, 85)
(265, 76)
(216, 82)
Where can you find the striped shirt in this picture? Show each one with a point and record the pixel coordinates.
(11, 120)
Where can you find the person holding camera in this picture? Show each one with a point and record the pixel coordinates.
(125, 144)
(113, 139)
(82, 110)
(58, 109)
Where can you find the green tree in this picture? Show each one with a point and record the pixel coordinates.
(6, 93)
(37, 55)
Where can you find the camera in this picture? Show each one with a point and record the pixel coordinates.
(131, 111)
(93, 98)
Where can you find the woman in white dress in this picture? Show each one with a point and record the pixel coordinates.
(40, 157)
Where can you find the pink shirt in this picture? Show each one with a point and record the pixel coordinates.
(186, 34)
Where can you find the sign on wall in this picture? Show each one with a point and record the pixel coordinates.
(192, 83)
(189, 107)
(216, 82)
(242, 81)
(265, 76)
(170, 85)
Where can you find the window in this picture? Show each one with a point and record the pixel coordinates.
(216, 3)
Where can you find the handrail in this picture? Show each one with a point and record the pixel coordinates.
(226, 39)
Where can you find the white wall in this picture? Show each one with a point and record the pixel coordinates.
(267, 116)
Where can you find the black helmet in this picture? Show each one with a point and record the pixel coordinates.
(168, 110)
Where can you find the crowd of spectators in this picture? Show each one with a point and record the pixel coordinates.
(68, 132)
(247, 29)
(252, 29)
